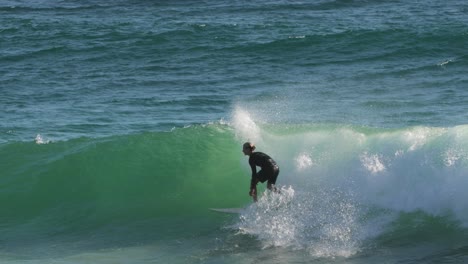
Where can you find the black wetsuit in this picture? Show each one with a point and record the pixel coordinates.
(269, 170)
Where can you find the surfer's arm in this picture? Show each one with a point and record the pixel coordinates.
(253, 193)
(253, 182)
(253, 188)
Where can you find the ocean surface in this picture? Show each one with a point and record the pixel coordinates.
(122, 123)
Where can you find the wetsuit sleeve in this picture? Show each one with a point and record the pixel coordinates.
(254, 180)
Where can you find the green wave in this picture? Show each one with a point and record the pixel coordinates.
(129, 177)
(164, 180)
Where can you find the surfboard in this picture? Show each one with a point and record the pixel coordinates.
(228, 210)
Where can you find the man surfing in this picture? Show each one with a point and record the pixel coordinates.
(269, 170)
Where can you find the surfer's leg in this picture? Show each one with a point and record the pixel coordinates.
(272, 181)
(262, 176)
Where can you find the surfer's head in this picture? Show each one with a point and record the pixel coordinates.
(248, 148)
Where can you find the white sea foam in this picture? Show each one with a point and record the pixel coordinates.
(324, 223)
(372, 163)
(338, 174)
(303, 161)
(41, 140)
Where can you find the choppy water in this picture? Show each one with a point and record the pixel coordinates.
(122, 124)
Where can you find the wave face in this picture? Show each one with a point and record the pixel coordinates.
(340, 185)
(130, 184)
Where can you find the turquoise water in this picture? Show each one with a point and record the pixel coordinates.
(122, 124)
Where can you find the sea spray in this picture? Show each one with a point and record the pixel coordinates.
(415, 168)
(325, 223)
(348, 184)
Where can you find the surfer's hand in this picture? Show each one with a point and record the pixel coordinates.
(253, 193)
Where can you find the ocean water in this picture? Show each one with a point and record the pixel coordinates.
(122, 123)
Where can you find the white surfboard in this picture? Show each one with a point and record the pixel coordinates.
(228, 210)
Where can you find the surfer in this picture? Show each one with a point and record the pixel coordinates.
(269, 170)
